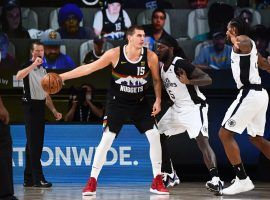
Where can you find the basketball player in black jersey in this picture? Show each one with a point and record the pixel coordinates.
(132, 66)
(249, 109)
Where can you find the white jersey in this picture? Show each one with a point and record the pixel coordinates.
(245, 67)
(180, 94)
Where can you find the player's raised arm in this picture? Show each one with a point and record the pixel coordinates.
(105, 60)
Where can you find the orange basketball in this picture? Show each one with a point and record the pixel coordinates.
(51, 83)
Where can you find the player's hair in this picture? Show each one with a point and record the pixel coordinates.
(241, 25)
(131, 30)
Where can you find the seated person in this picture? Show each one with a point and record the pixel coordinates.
(112, 21)
(247, 16)
(96, 52)
(260, 35)
(216, 55)
(6, 60)
(54, 59)
(69, 18)
(11, 20)
(82, 108)
(157, 32)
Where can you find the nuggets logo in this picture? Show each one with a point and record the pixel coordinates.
(52, 35)
(231, 123)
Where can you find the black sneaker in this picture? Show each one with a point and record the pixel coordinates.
(28, 184)
(215, 185)
(43, 184)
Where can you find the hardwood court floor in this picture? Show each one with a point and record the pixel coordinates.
(187, 190)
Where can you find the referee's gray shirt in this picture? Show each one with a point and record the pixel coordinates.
(32, 89)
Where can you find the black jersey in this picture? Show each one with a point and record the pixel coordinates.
(118, 25)
(130, 80)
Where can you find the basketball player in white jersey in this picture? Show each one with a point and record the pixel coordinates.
(249, 108)
(189, 111)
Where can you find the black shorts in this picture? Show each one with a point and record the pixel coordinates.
(119, 112)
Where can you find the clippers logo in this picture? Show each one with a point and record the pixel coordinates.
(231, 123)
(204, 128)
(168, 84)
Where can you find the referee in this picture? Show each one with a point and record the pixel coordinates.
(34, 100)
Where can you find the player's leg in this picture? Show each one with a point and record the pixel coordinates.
(168, 125)
(238, 116)
(153, 137)
(262, 144)
(146, 124)
(99, 160)
(257, 126)
(197, 127)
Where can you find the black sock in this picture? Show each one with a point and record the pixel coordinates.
(240, 171)
(213, 172)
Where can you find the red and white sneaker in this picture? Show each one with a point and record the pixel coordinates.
(158, 186)
(90, 188)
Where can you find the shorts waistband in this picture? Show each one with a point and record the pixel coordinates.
(257, 87)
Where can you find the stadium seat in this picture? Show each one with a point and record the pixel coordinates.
(88, 46)
(197, 22)
(29, 19)
(11, 49)
(145, 17)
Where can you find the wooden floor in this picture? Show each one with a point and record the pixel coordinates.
(187, 190)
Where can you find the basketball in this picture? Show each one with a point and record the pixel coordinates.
(51, 83)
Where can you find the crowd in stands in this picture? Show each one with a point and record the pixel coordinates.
(206, 25)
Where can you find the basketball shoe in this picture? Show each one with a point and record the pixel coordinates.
(215, 185)
(239, 186)
(90, 188)
(157, 186)
(170, 180)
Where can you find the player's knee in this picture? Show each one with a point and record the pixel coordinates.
(224, 134)
(152, 134)
(256, 140)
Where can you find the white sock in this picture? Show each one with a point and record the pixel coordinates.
(153, 137)
(101, 152)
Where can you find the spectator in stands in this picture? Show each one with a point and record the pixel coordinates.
(69, 18)
(260, 35)
(12, 21)
(112, 21)
(53, 58)
(216, 55)
(97, 51)
(194, 4)
(157, 32)
(82, 108)
(246, 16)
(6, 60)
